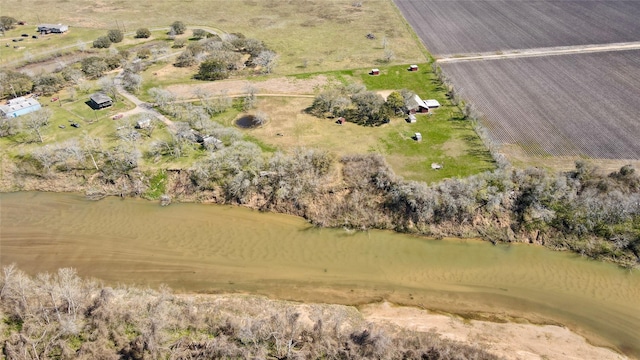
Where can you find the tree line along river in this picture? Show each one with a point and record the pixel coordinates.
(213, 248)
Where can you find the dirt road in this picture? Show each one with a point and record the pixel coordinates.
(562, 50)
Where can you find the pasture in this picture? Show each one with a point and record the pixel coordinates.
(313, 35)
(450, 28)
(583, 105)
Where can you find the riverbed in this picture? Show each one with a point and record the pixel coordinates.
(223, 249)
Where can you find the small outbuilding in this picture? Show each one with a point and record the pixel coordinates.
(432, 104)
(143, 124)
(413, 68)
(19, 106)
(416, 105)
(52, 28)
(417, 137)
(99, 100)
(375, 72)
(412, 118)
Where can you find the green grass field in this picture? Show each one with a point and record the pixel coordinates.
(305, 36)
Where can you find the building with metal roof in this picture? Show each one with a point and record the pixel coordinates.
(19, 106)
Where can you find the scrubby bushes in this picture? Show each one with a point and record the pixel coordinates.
(102, 42)
(143, 33)
(63, 316)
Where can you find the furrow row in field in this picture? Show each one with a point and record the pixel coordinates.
(571, 105)
(451, 27)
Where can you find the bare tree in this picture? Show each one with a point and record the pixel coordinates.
(131, 81)
(34, 122)
(108, 86)
(250, 98)
(267, 60)
(388, 55)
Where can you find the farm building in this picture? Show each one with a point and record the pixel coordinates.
(143, 124)
(375, 72)
(19, 106)
(417, 136)
(52, 28)
(415, 104)
(413, 68)
(100, 100)
(432, 104)
(412, 118)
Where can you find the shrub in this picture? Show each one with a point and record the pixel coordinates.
(212, 69)
(115, 36)
(178, 27)
(143, 33)
(102, 42)
(199, 33)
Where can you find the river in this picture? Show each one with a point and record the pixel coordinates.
(218, 249)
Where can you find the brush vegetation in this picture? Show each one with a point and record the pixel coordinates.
(61, 316)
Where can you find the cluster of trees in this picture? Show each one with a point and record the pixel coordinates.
(356, 104)
(92, 67)
(113, 36)
(63, 316)
(219, 56)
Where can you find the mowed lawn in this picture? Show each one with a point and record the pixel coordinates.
(464, 27)
(583, 105)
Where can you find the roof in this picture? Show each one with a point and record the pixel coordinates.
(415, 102)
(18, 103)
(52, 26)
(100, 98)
(431, 103)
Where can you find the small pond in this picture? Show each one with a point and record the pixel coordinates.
(249, 122)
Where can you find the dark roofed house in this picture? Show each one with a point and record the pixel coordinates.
(100, 100)
(53, 28)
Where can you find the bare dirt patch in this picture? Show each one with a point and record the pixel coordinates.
(510, 340)
(279, 85)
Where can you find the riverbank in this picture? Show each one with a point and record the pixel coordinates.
(227, 249)
(584, 211)
(93, 320)
(508, 340)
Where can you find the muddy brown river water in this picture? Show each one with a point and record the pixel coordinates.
(212, 248)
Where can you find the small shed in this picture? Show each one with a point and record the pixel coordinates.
(340, 121)
(432, 104)
(417, 137)
(100, 100)
(412, 118)
(375, 72)
(413, 68)
(143, 124)
(19, 106)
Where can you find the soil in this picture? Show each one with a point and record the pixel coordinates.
(509, 340)
(281, 85)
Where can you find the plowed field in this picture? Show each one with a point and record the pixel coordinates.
(450, 27)
(569, 105)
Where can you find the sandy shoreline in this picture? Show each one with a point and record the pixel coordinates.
(509, 340)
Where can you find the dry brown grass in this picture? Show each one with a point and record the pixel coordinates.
(302, 32)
